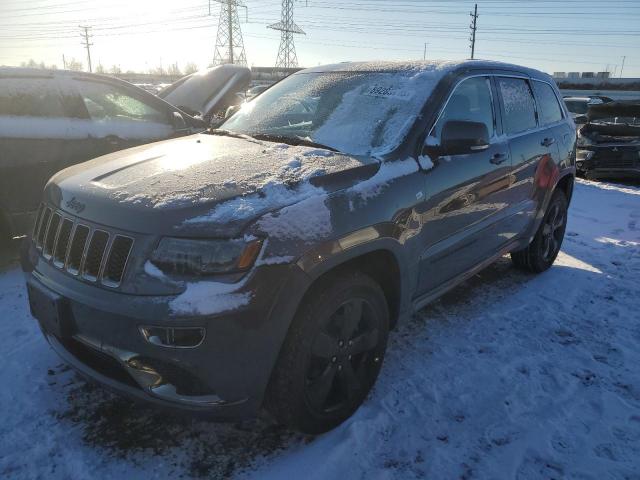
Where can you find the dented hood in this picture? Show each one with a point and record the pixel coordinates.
(208, 91)
(200, 185)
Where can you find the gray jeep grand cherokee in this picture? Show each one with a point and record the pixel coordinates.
(263, 263)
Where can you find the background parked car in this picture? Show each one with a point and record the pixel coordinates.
(210, 92)
(578, 106)
(608, 144)
(50, 120)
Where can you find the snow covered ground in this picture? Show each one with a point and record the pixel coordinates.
(509, 376)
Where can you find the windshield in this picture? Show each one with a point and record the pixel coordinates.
(353, 112)
(577, 106)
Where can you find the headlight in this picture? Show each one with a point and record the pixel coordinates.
(205, 257)
(583, 155)
(583, 141)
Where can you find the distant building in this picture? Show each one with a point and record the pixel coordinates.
(588, 75)
(603, 74)
(574, 75)
(559, 74)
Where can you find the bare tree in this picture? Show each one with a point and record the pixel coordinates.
(100, 68)
(115, 70)
(174, 70)
(73, 64)
(190, 68)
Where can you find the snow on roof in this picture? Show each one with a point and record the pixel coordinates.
(441, 66)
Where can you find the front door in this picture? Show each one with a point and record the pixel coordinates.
(119, 119)
(466, 192)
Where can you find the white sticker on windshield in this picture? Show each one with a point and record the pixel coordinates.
(388, 91)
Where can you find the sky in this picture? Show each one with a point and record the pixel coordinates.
(551, 35)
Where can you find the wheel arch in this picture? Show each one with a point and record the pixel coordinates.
(565, 184)
(381, 261)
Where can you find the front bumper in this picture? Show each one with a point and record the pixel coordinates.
(609, 161)
(225, 376)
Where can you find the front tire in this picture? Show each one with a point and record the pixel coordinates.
(545, 246)
(332, 354)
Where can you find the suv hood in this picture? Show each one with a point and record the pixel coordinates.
(201, 185)
(208, 91)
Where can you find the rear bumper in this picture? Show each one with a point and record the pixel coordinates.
(225, 376)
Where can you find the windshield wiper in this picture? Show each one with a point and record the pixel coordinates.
(226, 133)
(296, 141)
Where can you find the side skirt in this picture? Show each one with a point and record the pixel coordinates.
(429, 297)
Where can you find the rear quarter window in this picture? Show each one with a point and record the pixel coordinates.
(30, 97)
(518, 105)
(549, 109)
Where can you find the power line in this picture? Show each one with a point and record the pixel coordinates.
(86, 44)
(287, 57)
(474, 27)
(229, 43)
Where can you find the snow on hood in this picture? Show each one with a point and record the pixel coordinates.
(199, 183)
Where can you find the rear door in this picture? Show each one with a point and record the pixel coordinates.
(33, 131)
(531, 146)
(553, 117)
(467, 191)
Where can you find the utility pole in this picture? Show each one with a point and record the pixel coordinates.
(229, 43)
(474, 27)
(287, 57)
(424, 55)
(64, 62)
(86, 44)
(622, 67)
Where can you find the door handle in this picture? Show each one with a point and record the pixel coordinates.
(498, 158)
(548, 141)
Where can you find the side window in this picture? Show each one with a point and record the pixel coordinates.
(549, 108)
(470, 101)
(107, 102)
(519, 106)
(30, 97)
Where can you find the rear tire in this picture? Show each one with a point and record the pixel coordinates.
(332, 354)
(545, 246)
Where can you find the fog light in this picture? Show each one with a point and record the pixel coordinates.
(174, 337)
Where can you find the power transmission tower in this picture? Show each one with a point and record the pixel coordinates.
(87, 45)
(229, 44)
(622, 67)
(474, 27)
(287, 57)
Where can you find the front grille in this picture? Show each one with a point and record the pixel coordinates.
(618, 159)
(94, 254)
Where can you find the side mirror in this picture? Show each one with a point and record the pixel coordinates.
(460, 137)
(581, 119)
